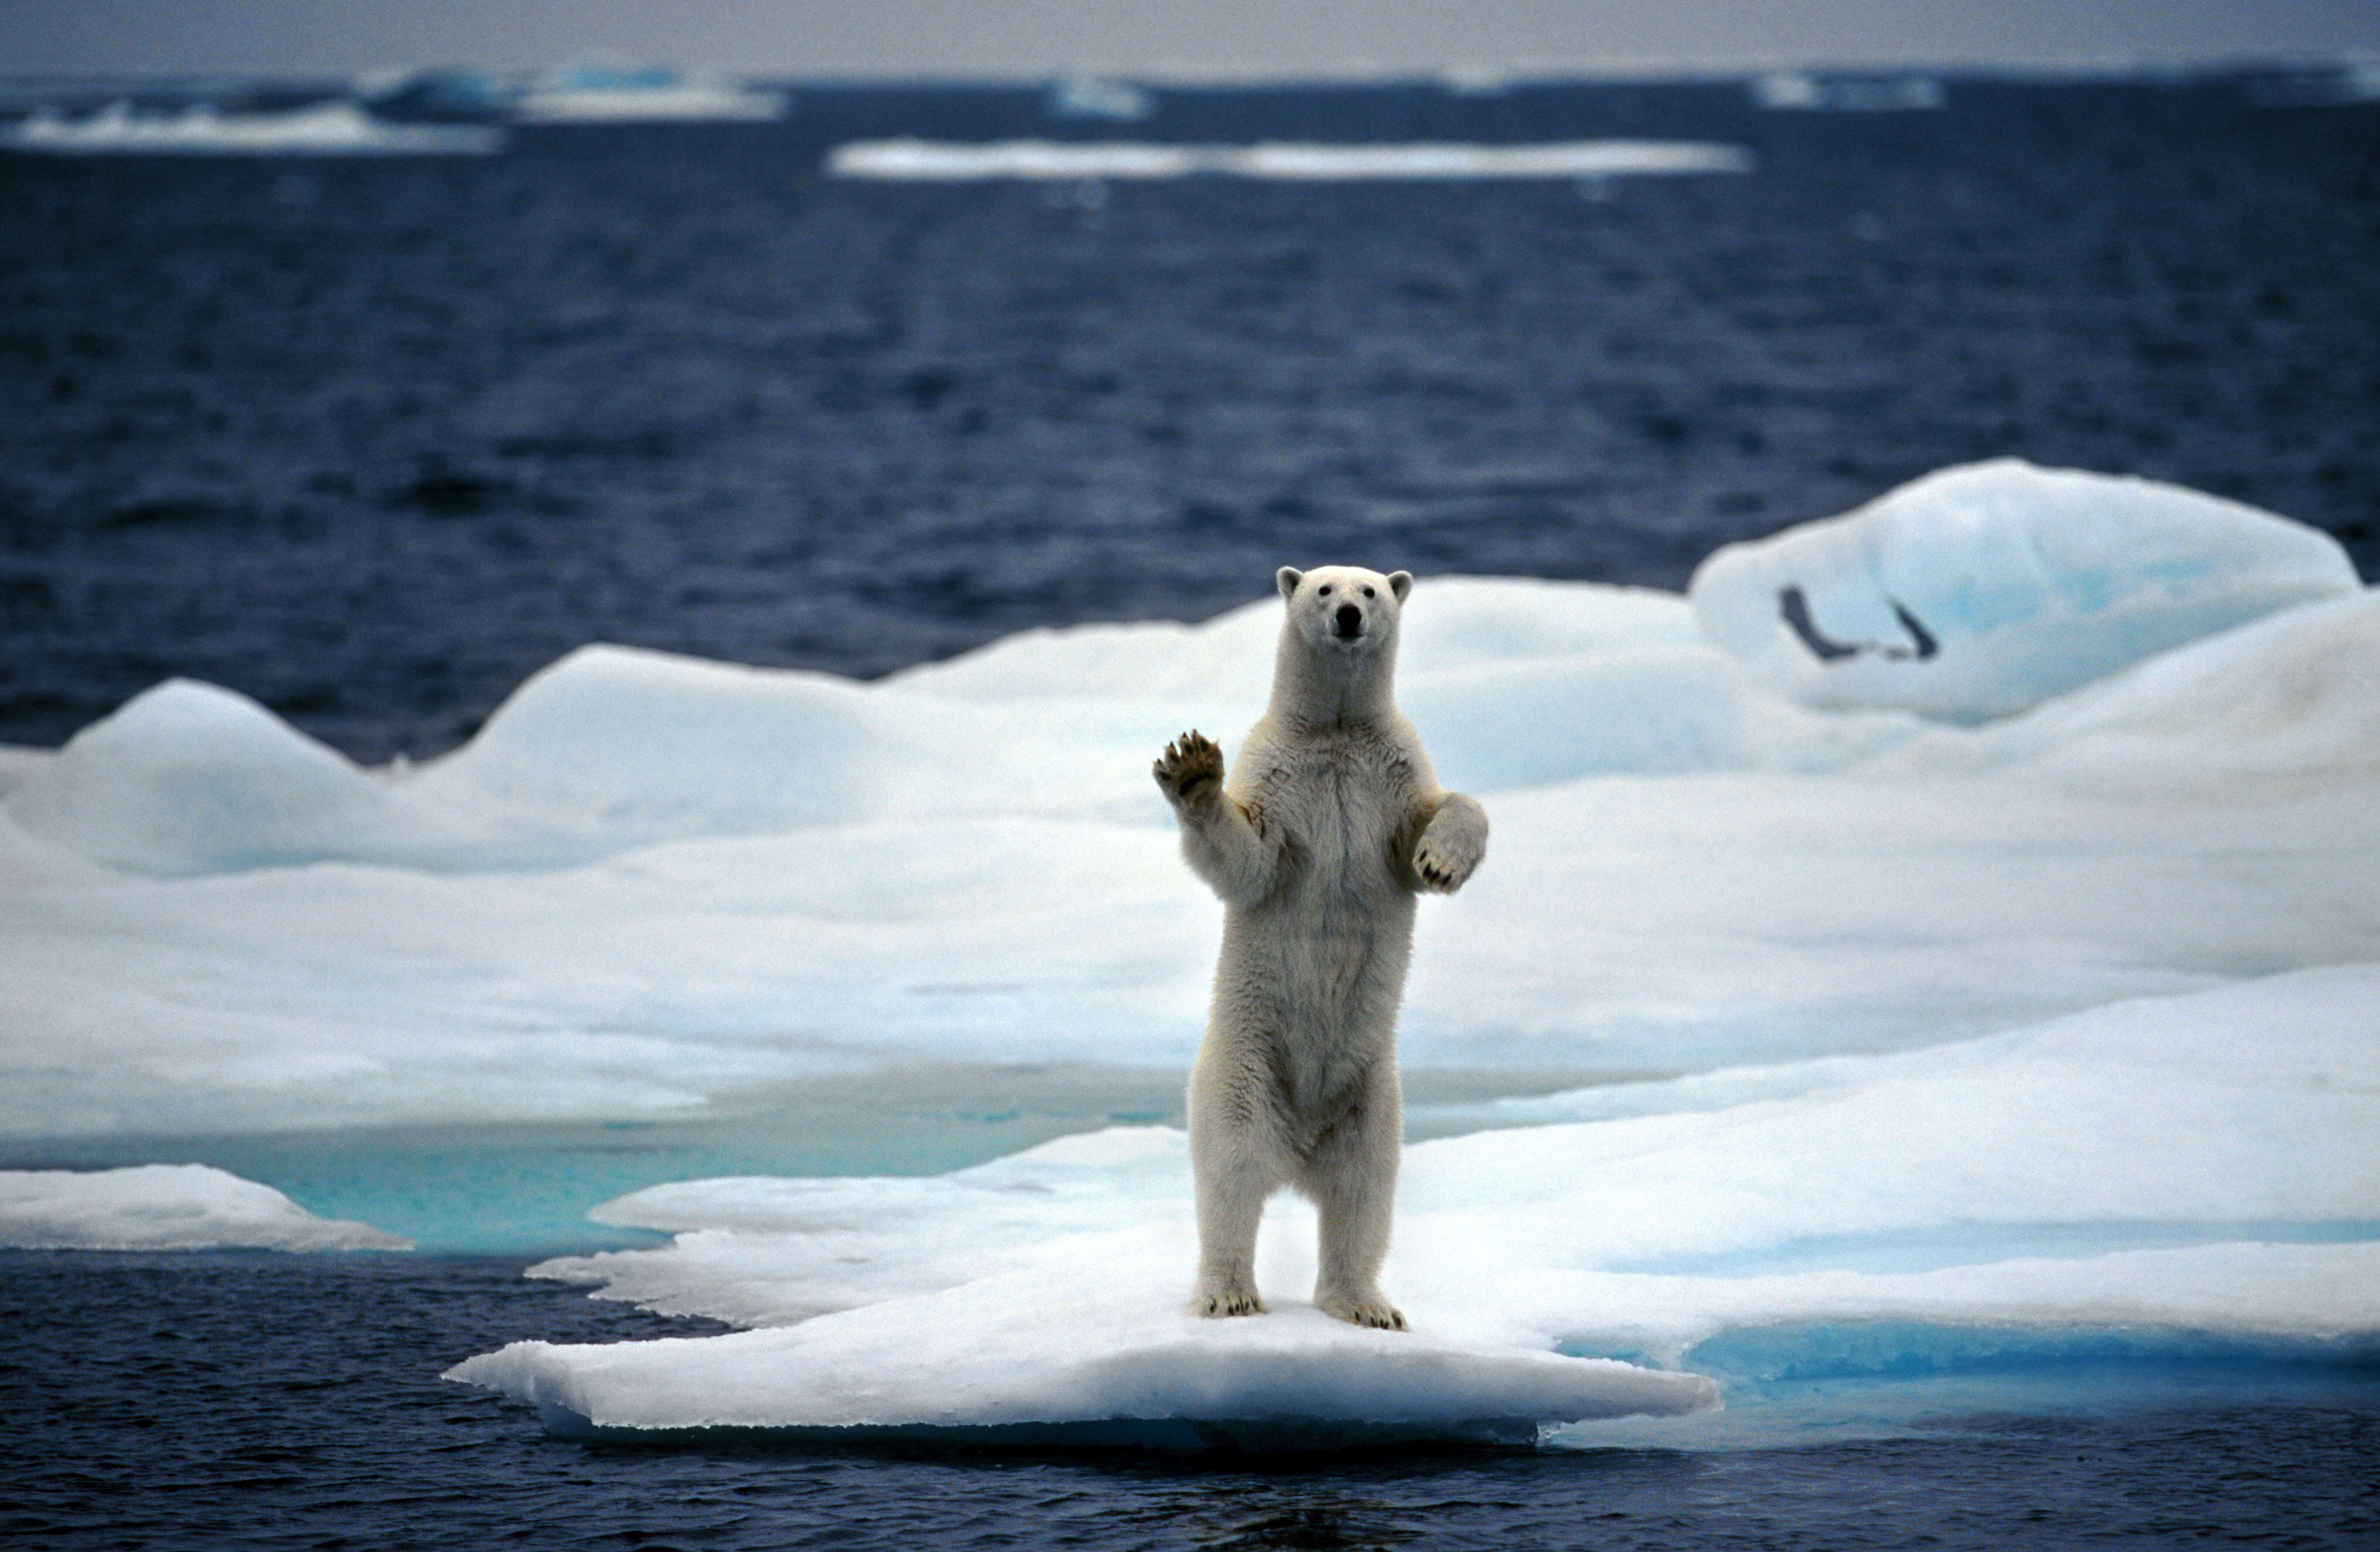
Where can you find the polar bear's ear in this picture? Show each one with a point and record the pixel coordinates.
(1401, 583)
(1286, 579)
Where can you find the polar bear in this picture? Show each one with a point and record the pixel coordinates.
(1330, 823)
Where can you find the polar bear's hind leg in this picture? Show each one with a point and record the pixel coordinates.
(1232, 1186)
(1351, 1176)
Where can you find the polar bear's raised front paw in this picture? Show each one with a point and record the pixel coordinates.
(1370, 1308)
(1442, 867)
(1216, 1299)
(1190, 771)
(1451, 846)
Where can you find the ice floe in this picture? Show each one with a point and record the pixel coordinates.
(165, 1206)
(2006, 1002)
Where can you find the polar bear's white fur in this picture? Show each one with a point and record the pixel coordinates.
(1330, 823)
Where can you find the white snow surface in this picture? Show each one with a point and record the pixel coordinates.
(2043, 1000)
(165, 1206)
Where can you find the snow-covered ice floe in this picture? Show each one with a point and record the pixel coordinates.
(1851, 1003)
(916, 161)
(1043, 1292)
(331, 128)
(165, 1206)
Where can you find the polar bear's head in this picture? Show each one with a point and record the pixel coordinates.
(1344, 609)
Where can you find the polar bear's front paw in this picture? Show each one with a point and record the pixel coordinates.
(1220, 1297)
(1190, 773)
(1444, 867)
(1369, 1308)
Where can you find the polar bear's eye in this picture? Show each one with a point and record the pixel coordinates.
(1368, 593)
(1325, 590)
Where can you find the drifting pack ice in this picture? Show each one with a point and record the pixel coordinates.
(1932, 958)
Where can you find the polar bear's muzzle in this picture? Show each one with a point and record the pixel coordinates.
(1347, 621)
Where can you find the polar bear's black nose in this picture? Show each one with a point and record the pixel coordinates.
(1348, 620)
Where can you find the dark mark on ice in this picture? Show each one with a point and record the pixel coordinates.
(1793, 607)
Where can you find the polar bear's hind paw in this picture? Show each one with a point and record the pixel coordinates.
(1372, 1310)
(1216, 1304)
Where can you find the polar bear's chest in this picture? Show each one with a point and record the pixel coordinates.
(1341, 814)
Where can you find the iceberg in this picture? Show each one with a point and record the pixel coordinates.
(331, 128)
(1978, 591)
(165, 1206)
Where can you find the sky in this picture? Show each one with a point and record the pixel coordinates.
(1166, 39)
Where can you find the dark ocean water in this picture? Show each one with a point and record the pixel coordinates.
(373, 440)
(263, 1400)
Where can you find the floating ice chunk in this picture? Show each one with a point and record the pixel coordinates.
(1093, 1332)
(1804, 91)
(1979, 591)
(940, 161)
(1563, 159)
(1097, 97)
(165, 1206)
(916, 161)
(333, 128)
(609, 90)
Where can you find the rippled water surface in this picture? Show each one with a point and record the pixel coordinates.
(373, 440)
(272, 1401)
